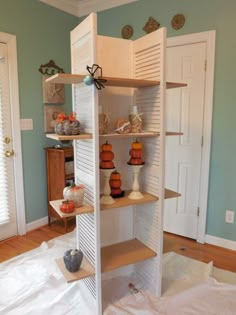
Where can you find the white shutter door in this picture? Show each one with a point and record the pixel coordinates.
(8, 226)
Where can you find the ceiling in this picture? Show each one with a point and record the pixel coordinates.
(84, 7)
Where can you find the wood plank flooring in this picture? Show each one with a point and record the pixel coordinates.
(222, 258)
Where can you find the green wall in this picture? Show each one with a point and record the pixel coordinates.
(42, 33)
(201, 15)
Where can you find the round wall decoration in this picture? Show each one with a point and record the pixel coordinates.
(127, 31)
(178, 21)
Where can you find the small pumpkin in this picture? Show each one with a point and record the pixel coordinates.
(115, 183)
(136, 153)
(137, 145)
(106, 164)
(107, 155)
(115, 191)
(115, 175)
(137, 161)
(106, 146)
(75, 193)
(67, 206)
(73, 259)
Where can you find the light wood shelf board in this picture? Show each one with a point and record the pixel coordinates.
(173, 85)
(123, 254)
(86, 270)
(83, 136)
(131, 134)
(67, 78)
(171, 194)
(125, 201)
(70, 176)
(86, 208)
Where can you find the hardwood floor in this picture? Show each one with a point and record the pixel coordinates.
(222, 258)
(20, 244)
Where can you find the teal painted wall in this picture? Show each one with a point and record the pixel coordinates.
(201, 15)
(42, 33)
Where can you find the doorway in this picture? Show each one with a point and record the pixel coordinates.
(12, 208)
(190, 59)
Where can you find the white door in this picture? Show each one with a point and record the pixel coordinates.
(185, 109)
(10, 163)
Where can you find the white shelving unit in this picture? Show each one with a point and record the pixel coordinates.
(125, 237)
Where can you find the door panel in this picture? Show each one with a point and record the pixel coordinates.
(8, 224)
(183, 154)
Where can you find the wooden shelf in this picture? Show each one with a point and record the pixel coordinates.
(119, 82)
(125, 201)
(123, 254)
(70, 176)
(83, 136)
(80, 210)
(86, 270)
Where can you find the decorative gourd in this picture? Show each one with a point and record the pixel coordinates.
(67, 206)
(137, 145)
(115, 183)
(136, 153)
(115, 175)
(136, 161)
(106, 164)
(116, 191)
(73, 259)
(107, 155)
(106, 146)
(75, 193)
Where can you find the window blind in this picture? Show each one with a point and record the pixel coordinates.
(5, 207)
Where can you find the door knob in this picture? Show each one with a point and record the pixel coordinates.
(9, 153)
(7, 140)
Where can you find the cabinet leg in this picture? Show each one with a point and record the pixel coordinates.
(49, 220)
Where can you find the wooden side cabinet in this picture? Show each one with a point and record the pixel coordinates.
(60, 172)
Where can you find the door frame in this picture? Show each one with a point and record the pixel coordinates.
(10, 41)
(209, 39)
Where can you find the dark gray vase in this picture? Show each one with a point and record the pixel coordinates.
(73, 259)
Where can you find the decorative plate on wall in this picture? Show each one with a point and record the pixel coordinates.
(178, 21)
(127, 31)
(151, 25)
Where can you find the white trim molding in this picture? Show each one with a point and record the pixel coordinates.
(221, 242)
(36, 224)
(81, 8)
(208, 38)
(10, 41)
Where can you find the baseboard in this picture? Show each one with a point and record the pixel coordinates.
(221, 242)
(36, 224)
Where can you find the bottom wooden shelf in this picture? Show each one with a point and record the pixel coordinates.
(86, 270)
(123, 254)
(112, 257)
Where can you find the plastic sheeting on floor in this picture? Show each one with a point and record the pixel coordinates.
(32, 284)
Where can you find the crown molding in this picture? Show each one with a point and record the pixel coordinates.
(81, 8)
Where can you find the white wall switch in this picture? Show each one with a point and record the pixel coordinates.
(26, 124)
(229, 216)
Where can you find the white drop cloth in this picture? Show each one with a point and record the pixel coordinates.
(32, 284)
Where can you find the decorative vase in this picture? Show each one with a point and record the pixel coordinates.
(73, 259)
(67, 127)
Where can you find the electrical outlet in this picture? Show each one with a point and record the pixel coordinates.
(229, 216)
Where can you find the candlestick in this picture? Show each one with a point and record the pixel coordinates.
(135, 193)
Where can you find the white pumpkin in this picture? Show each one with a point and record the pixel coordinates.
(75, 193)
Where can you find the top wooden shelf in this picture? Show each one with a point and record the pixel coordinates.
(111, 81)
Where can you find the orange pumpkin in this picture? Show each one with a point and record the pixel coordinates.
(115, 175)
(115, 191)
(106, 155)
(106, 164)
(137, 145)
(136, 153)
(106, 146)
(115, 183)
(138, 161)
